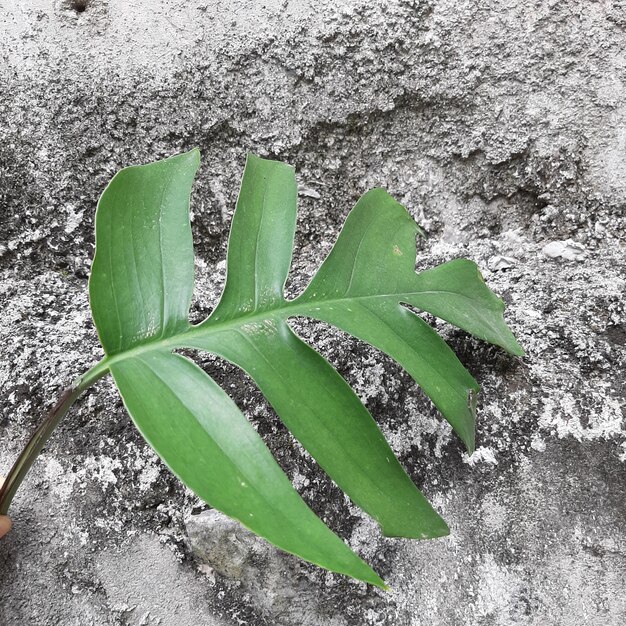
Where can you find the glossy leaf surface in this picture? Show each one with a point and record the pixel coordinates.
(208, 443)
(140, 289)
(141, 279)
(325, 415)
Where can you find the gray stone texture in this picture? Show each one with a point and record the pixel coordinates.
(501, 125)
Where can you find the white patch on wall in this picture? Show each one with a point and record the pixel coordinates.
(563, 417)
(100, 469)
(61, 482)
(74, 218)
(537, 443)
(497, 588)
(148, 477)
(481, 455)
(494, 514)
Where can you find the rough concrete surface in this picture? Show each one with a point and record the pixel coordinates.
(500, 124)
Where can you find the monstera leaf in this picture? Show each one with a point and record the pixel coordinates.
(140, 290)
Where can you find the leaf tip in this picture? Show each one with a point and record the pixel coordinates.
(194, 155)
(508, 342)
(443, 530)
(377, 581)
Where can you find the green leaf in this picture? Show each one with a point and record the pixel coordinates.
(261, 240)
(456, 292)
(413, 344)
(380, 228)
(141, 284)
(326, 416)
(208, 443)
(363, 298)
(142, 274)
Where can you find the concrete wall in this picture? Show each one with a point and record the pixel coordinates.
(501, 125)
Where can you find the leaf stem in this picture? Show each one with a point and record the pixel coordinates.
(41, 435)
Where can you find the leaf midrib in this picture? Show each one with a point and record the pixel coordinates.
(291, 307)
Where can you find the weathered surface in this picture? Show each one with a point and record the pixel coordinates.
(500, 125)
